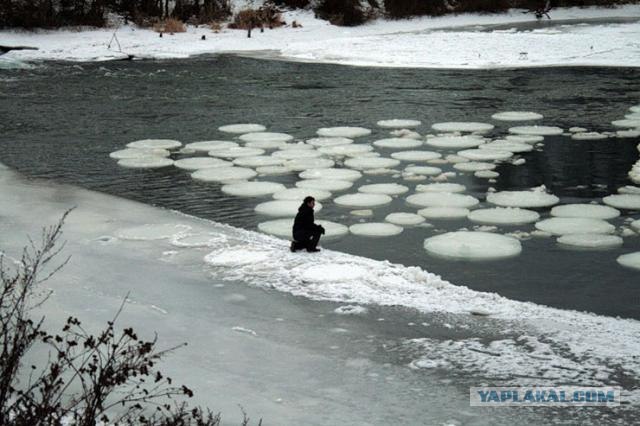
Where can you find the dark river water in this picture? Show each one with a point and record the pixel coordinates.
(61, 120)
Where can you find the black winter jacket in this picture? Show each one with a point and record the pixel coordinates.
(304, 220)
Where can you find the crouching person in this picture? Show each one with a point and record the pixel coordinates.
(306, 234)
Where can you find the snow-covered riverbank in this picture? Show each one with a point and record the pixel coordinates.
(589, 36)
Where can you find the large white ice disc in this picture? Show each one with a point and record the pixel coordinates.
(593, 211)
(397, 143)
(298, 146)
(339, 174)
(623, 201)
(242, 128)
(371, 163)
(461, 126)
(300, 164)
(505, 145)
(636, 225)
(384, 188)
(593, 241)
(441, 199)
(484, 154)
(503, 216)
(349, 150)
(151, 162)
(486, 174)
(265, 144)
(265, 136)
(404, 219)
(258, 161)
(283, 228)
(223, 174)
(252, 189)
(455, 142)
(375, 229)
(320, 142)
(153, 231)
(343, 132)
(632, 116)
(287, 208)
(635, 108)
(299, 194)
(206, 146)
(361, 200)
(523, 199)
(197, 163)
(575, 225)
(232, 256)
(423, 170)
(444, 212)
(629, 189)
(536, 130)
(417, 156)
(630, 260)
(517, 116)
(628, 133)
(474, 166)
(273, 170)
(588, 136)
(398, 124)
(467, 245)
(291, 154)
(138, 152)
(532, 139)
(236, 152)
(441, 187)
(325, 184)
(331, 272)
(626, 123)
(155, 143)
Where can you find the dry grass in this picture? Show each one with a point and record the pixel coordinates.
(170, 25)
(266, 16)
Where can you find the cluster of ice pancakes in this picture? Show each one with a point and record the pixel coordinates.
(393, 177)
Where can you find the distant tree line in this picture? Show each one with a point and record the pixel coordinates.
(56, 13)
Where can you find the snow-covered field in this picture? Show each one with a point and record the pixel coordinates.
(443, 42)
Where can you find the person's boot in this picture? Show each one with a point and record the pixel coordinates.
(313, 249)
(293, 247)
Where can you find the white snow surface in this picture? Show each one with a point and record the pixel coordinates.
(419, 42)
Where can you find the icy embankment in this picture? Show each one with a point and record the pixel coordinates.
(442, 42)
(505, 340)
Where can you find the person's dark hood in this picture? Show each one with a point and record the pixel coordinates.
(304, 207)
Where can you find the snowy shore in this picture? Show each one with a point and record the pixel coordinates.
(574, 37)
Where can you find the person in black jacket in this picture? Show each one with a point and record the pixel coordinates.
(306, 234)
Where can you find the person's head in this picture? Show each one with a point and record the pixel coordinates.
(310, 201)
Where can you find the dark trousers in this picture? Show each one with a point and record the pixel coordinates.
(306, 239)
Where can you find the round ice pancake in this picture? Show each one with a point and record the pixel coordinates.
(626, 123)
(441, 199)
(505, 145)
(517, 116)
(503, 216)
(258, 161)
(282, 208)
(417, 156)
(252, 189)
(375, 229)
(536, 130)
(301, 164)
(447, 213)
(468, 245)
(343, 132)
(151, 162)
(532, 139)
(236, 152)
(153, 231)
(265, 137)
(441, 187)
(636, 225)
(299, 194)
(623, 201)
(398, 124)
(588, 136)
(523, 199)
(242, 128)
(575, 225)
(361, 200)
(339, 174)
(155, 143)
(325, 184)
(592, 241)
(404, 219)
(397, 143)
(298, 146)
(350, 150)
(635, 108)
(291, 154)
(474, 166)
(371, 163)
(223, 174)
(128, 153)
(630, 260)
(461, 126)
(384, 188)
(628, 133)
(206, 146)
(266, 144)
(197, 163)
(241, 256)
(485, 154)
(455, 142)
(283, 228)
(593, 211)
(321, 142)
(423, 170)
(486, 174)
(273, 170)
